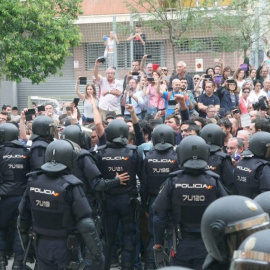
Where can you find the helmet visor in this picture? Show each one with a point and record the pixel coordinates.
(250, 260)
(52, 129)
(240, 231)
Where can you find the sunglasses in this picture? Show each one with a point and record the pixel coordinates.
(195, 78)
(164, 69)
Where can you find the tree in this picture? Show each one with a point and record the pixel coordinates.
(36, 36)
(171, 17)
(245, 22)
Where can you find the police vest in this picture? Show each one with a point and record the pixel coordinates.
(190, 197)
(118, 160)
(80, 171)
(37, 150)
(215, 162)
(14, 165)
(158, 164)
(245, 181)
(51, 213)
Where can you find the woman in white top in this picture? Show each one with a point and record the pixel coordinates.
(87, 98)
(257, 92)
(109, 50)
(239, 76)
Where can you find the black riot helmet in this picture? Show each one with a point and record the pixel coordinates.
(213, 136)
(117, 132)
(227, 221)
(263, 200)
(259, 145)
(253, 253)
(163, 137)
(193, 153)
(174, 268)
(43, 126)
(8, 132)
(74, 134)
(60, 155)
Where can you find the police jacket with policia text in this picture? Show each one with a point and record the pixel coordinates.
(252, 176)
(53, 205)
(157, 166)
(185, 196)
(115, 158)
(14, 165)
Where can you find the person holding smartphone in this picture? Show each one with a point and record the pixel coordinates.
(88, 97)
(228, 97)
(134, 97)
(156, 101)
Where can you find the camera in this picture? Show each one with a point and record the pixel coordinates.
(262, 104)
(101, 59)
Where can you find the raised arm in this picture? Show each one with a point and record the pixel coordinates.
(97, 119)
(143, 62)
(97, 76)
(79, 94)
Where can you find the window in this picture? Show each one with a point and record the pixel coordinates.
(200, 45)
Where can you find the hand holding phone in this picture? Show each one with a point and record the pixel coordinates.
(76, 101)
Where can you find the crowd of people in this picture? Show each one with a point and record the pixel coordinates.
(158, 170)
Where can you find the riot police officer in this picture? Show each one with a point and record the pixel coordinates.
(43, 130)
(158, 163)
(120, 202)
(225, 223)
(55, 204)
(13, 169)
(251, 176)
(253, 253)
(219, 162)
(87, 171)
(184, 197)
(263, 200)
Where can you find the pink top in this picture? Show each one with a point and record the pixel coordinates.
(155, 99)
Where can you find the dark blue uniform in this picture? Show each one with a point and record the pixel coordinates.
(251, 176)
(183, 198)
(14, 165)
(54, 205)
(120, 202)
(157, 166)
(221, 164)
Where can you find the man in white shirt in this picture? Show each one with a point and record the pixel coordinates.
(110, 91)
(133, 97)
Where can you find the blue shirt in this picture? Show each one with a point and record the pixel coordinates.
(165, 96)
(206, 101)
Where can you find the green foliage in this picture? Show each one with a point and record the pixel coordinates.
(36, 36)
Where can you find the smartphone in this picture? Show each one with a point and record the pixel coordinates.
(150, 79)
(244, 67)
(83, 80)
(208, 76)
(172, 102)
(31, 112)
(135, 73)
(230, 81)
(41, 108)
(218, 79)
(76, 101)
